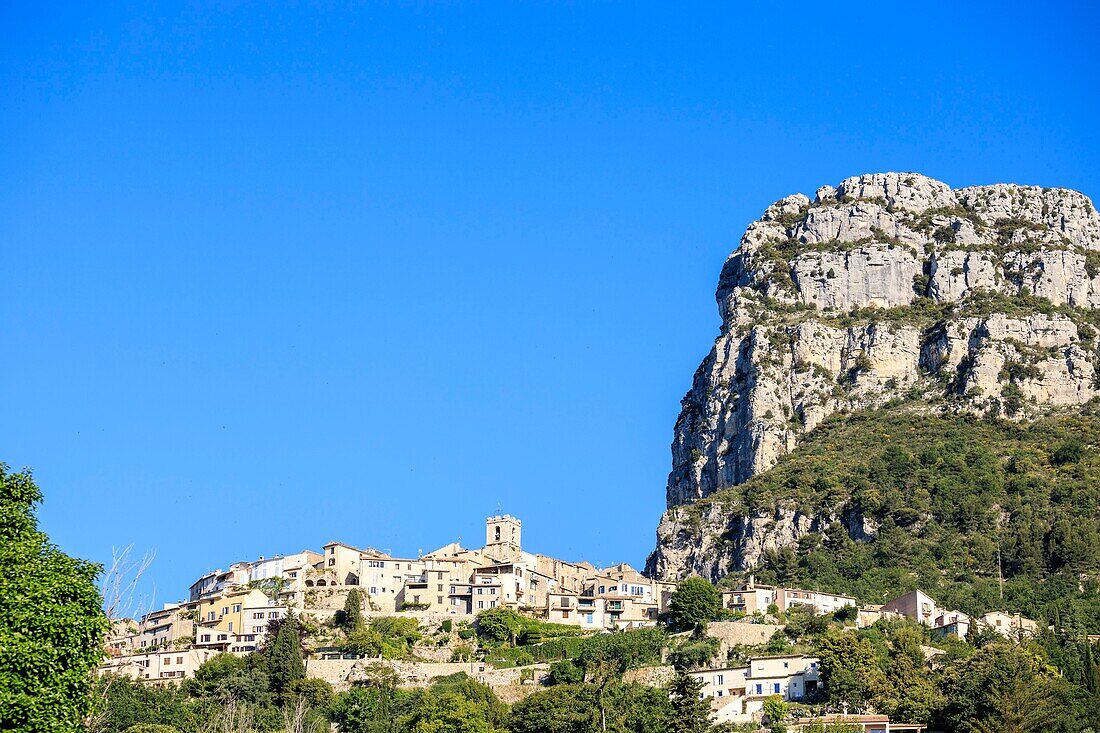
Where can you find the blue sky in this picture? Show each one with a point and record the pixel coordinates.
(280, 276)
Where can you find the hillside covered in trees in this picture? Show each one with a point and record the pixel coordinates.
(893, 499)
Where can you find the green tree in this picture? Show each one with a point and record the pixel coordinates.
(690, 712)
(127, 703)
(565, 673)
(1006, 687)
(373, 707)
(849, 669)
(51, 619)
(284, 656)
(559, 709)
(694, 602)
(350, 617)
(499, 625)
(776, 711)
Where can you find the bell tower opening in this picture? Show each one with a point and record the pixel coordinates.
(502, 532)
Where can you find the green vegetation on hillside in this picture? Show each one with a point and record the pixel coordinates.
(952, 496)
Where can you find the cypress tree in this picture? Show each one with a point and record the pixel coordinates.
(690, 713)
(285, 656)
(352, 617)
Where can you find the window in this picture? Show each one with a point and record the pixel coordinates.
(259, 615)
(718, 679)
(416, 599)
(205, 637)
(760, 689)
(439, 588)
(332, 550)
(481, 604)
(258, 629)
(588, 618)
(236, 608)
(230, 625)
(775, 688)
(222, 637)
(167, 660)
(225, 610)
(786, 665)
(719, 694)
(439, 599)
(179, 660)
(331, 561)
(273, 614)
(492, 604)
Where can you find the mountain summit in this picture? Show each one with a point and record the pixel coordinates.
(888, 291)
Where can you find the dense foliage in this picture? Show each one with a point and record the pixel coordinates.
(695, 601)
(51, 622)
(947, 499)
(389, 637)
(999, 685)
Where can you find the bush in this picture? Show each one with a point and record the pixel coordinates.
(499, 625)
(565, 673)
(1069, 451)
(694, 653)
(462, 653)
(847, 613)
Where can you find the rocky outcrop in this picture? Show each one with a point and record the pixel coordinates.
(885, 287)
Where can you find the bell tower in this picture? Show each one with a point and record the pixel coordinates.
(502, 534)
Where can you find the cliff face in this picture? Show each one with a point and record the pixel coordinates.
(888, 287)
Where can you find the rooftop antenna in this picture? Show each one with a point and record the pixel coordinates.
(499, 511)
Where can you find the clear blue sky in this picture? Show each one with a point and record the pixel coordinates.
(273, 278)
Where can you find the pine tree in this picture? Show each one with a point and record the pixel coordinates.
(285, 656)
(690, 713)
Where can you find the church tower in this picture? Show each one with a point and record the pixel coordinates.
(502, 535)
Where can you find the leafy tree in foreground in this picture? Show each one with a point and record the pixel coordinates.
(694, 602)
(51, 621)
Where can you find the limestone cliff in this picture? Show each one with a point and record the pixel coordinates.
(887, 287)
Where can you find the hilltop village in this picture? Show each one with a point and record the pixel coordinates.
(440, 596)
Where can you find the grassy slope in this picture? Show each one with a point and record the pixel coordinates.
(948, 491)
